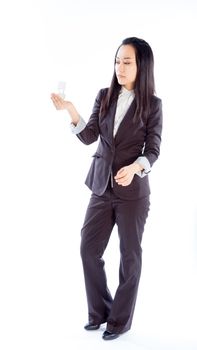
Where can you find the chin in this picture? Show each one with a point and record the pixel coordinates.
(121, 82)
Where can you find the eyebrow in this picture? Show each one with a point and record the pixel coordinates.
(125, 58)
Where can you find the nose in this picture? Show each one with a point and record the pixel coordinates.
(120, 68)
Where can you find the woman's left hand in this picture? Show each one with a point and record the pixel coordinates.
(125, 175)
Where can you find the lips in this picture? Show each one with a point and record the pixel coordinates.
(120, 76)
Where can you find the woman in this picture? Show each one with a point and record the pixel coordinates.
(127, 117)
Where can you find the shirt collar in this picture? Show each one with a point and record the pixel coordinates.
(125, 92)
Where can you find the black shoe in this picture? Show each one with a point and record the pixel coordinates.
(91, 327)
(109, 335)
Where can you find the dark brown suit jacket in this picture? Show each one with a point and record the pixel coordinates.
(131, 141)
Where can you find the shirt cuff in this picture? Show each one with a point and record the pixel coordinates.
(76, 129)
(144, 162)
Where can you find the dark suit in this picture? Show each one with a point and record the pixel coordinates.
(114, 153)
(111, 203)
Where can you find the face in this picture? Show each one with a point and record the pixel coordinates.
(126, 67)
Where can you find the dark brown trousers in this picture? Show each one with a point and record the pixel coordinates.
(102, 214)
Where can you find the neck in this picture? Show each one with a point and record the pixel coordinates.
(129, 86)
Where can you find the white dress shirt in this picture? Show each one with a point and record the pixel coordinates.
(124, 101)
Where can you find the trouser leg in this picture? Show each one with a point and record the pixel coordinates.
(130, 218)
(98, 224)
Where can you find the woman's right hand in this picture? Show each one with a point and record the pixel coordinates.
(61, 104)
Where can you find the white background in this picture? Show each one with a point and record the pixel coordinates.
(43, 167)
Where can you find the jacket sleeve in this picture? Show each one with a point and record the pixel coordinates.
(153, 132)
(90, 133)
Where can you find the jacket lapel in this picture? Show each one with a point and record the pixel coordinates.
(107, 122)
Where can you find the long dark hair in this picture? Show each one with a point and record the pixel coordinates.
(144, 84)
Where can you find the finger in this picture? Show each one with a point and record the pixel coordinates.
(125, 183)
(56, 98)
(121, 181)
(123, 177)
(124, 180)
(57, 101)
(121, 173)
